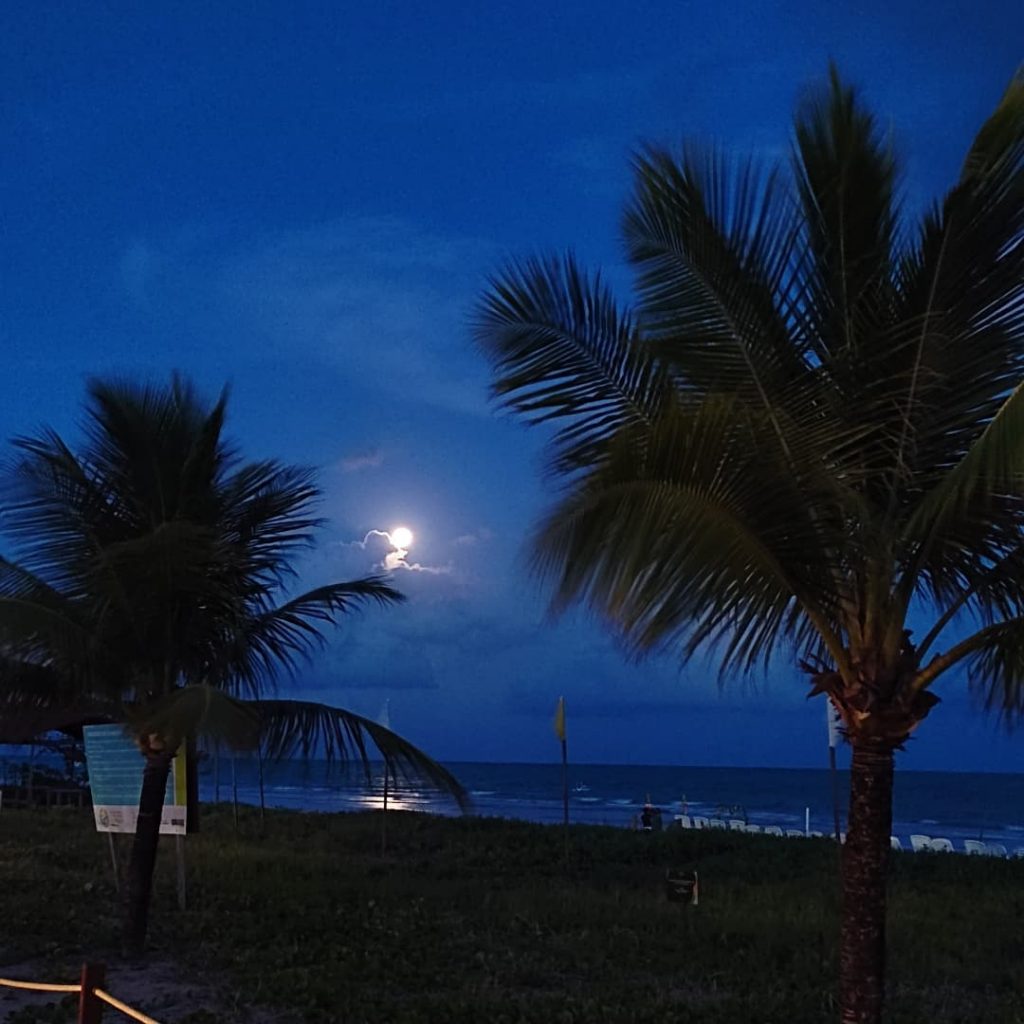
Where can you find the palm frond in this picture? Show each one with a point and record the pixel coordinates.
(266, 509)
(846, 178)
(197, 711)
(38, 624)
(562, 350)
(57, 513)
(23, 722)
(996, 670)
(158, 448)
(715, 248)
(690, 535)
(988, 593)
(39, 698)
(292, 727)
(962, 304)
(974, 511)
(994, 659)
(27, 688)
(256, 649)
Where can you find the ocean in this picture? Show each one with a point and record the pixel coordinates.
(939, 804)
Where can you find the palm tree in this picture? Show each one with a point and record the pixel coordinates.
(147, 588)
(808, 433)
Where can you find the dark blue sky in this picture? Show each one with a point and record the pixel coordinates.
(303, 200)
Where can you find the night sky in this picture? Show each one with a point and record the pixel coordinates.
(303, 201)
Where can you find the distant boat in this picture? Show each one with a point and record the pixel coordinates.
(581, 787)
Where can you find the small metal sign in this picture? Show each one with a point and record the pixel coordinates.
(682, 887)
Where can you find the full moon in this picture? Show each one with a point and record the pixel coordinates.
(401, 537)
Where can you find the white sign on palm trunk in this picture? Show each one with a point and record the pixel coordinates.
(833, 723)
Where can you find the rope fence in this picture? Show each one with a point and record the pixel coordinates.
(123, 1007)
(91, 996)
(39, 986)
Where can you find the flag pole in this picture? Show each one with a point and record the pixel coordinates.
(560, 733)
(565, 788)
(384, 718)
(384, 816)
(263, 799)
(234, 790)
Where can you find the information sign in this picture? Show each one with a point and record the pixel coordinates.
(115, 767)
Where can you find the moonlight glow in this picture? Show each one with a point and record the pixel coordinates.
(401, 537)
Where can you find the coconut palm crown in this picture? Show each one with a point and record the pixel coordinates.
(806, 436)
(150, 585)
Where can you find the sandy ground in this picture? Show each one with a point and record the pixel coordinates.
(158, 988)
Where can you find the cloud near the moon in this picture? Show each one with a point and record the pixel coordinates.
(396, 557)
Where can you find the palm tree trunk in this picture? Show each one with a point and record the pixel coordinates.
(143, 858)
(865, 859)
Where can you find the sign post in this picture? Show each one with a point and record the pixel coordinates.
(179, 850)
(114, 864)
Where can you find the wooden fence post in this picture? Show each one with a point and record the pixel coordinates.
(90, 1009)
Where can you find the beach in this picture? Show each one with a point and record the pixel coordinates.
(469, 920)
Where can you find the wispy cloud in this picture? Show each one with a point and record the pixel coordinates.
(471, 540)
(376, 297)
(376, 300)
(361, 460)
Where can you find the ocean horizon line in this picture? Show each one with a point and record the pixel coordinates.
(724, 767)
(574, 765)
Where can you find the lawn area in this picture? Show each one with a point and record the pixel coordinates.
(477, 920)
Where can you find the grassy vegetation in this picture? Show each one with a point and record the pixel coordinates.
(470, 921)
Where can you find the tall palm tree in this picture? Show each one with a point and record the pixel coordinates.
(148, 586)
(807, 434)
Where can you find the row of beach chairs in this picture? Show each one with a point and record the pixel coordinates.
(972, 847)
(738, 825)
(918, 843)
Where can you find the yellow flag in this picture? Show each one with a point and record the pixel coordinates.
(560, 719)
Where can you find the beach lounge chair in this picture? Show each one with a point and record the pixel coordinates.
(699, 822)
(996, 850)
(795, 833)
(942, 846)
(683, 820)
(772, 830)
(921, 844)
(717, 823)
(737, 825)
(974, 848)
(895, 843)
